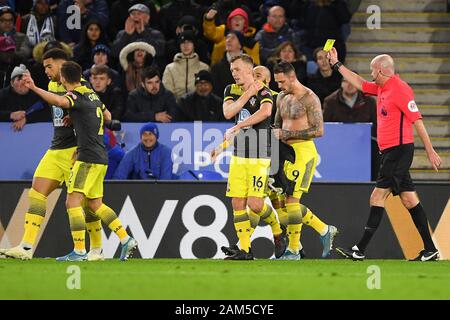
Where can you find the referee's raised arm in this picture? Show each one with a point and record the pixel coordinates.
(355, 79)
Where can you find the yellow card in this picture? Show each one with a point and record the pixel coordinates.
(328, 45)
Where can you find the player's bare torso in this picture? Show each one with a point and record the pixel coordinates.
(295, 109)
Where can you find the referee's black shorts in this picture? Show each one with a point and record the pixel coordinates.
(394, 169)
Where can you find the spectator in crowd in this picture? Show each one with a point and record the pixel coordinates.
(259, 16)
(134, 58)
(189, 23)
(40, 24)
(225, 7)
(326, 80)
(7, 29)
(287, 52)
(100, 57)
(173, 11)
(147, 160)
(9, 3)
(322, 20)
(151, 101)
(92, 35)
(349, 105)
(37, 69)
(20, 105)
(221, 71)
(179, 76)
(115, 154)
(111, 96)
(7, 59)
(137, 29)
(237, 21)
(202, 104)
(120, 16)
(275, 32)
(89, 9)
(10, 38)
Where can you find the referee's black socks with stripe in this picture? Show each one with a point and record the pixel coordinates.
(375, 216)
(420, 220)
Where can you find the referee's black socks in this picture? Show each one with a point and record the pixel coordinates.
(375, 216)
(420, 220)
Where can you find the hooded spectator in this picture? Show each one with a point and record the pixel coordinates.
(237, 21)
(179, 76)
(134, 58)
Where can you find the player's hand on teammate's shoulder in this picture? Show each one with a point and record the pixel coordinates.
(72, 95)
(67, 121)
(254, 88)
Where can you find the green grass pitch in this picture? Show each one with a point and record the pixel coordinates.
(217, 279)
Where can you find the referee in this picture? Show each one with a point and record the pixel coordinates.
(397, 114)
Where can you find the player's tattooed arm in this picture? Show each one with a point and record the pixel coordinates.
(278, 121)
(315, 121)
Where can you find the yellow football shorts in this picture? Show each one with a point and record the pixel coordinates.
(56, 165)
(302, 171)
(87, 178)
(247, 177)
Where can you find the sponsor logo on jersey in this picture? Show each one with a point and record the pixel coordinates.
(243, 114)
(58, 115)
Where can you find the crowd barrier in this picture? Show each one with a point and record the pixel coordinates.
(344, 149)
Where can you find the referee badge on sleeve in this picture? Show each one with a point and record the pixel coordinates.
(412, 106)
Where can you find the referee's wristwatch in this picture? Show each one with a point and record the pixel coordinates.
(337, 65)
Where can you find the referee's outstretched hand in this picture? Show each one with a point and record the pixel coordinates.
(332, 56)
(435, 160)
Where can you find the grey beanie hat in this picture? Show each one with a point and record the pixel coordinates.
(19, 71)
